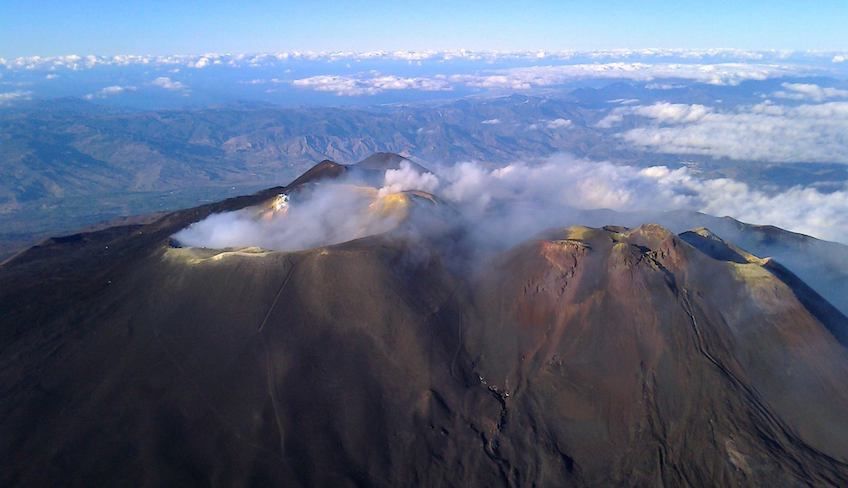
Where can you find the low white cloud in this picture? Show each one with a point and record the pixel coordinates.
(809, 91)
(491, 122)
(839, 58)
(78, 62)
(262, 81)
(800, 209)
(369, 85)
(555, 184)
(558, 124)
(624, 101)
(340, 85)
(540, 76)
(762, 132)
(664, 86)
(168, 84)
(204, 61)
(663, 112)
(109, 91)
(527, 198)
(610, 120)
(9, 97)
(674, 113)
(524, 78)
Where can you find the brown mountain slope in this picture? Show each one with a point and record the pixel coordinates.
(650, 362)
(820, 264)
(327, 367)
(827, 314)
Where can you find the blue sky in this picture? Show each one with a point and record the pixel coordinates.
(189, 26)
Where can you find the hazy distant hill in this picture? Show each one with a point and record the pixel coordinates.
(68, 163)
(124, 163)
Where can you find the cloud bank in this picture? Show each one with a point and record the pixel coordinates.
(542, 76)
(525, 78)
(78, 62)
(168, 84)
(760, 132)
(809, 91)
(528, 198)
(109, 91)
(9, 97)
(348, 86)
(559, 124)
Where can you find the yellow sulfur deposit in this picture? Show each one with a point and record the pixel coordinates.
(392, 205)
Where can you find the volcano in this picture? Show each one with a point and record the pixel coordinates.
(583, 356)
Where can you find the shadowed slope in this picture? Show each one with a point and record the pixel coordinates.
(332, 366)
(826, 313)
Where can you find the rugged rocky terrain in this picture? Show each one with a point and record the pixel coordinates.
(581, 357)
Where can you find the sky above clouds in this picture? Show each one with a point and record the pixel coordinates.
(52, 27)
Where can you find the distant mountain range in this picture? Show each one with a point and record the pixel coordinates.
(68, 163)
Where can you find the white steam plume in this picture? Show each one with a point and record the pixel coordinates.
(522, 198)
(407, 178)
(503, 206)
(333, 213)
